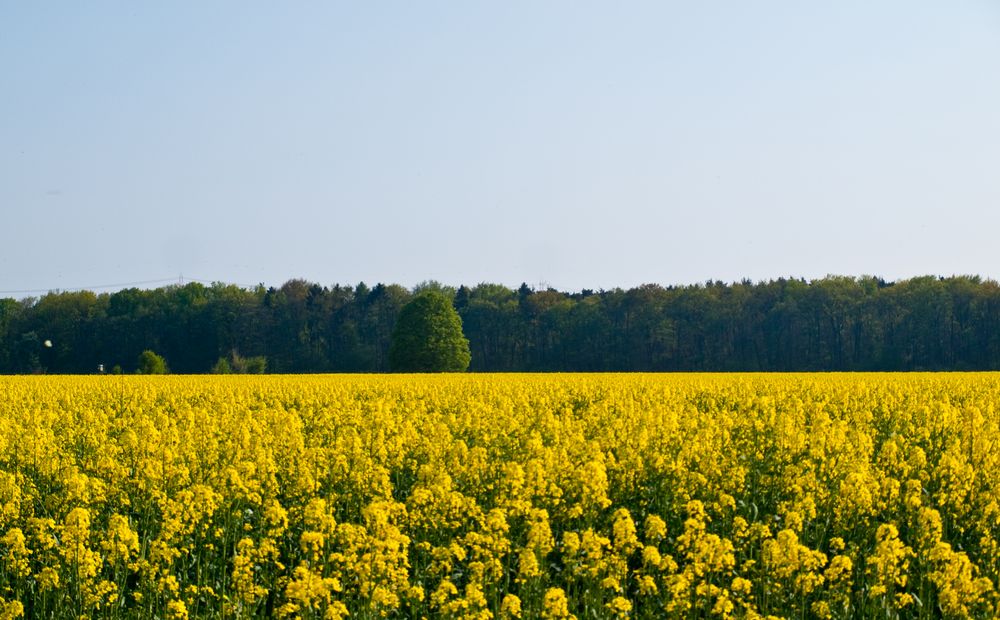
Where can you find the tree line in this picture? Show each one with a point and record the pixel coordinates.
(834, 323)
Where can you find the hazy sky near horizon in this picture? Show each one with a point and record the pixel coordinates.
(580, 144)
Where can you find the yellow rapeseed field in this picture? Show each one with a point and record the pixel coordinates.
(501, 496)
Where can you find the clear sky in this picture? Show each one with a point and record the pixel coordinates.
(580, 144)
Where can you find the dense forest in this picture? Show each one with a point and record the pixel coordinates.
(836, 323)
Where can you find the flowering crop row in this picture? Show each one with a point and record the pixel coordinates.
(501, 496)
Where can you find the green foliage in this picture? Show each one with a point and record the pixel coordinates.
(256, 365)
(237, 364)
(435, 286)
(428, 337)
(152, 364)
(247, 365)
(833, 323)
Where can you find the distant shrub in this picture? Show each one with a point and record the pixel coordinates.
(152, 364)
(237, 364)
(222, 367)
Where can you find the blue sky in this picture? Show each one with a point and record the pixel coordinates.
(584, 145)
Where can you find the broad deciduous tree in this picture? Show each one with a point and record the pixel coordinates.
(428, 337)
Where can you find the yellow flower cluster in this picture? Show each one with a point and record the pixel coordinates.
(501, 496)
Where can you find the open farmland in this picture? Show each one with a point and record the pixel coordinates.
(498, 496)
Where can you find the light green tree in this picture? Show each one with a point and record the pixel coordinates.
(152, 364)
(428, 337)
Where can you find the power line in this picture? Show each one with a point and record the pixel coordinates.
(204, 281)
(118, 285)
(88, 288)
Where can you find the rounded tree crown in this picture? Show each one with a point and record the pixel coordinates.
(152, 364)
(428, 337)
